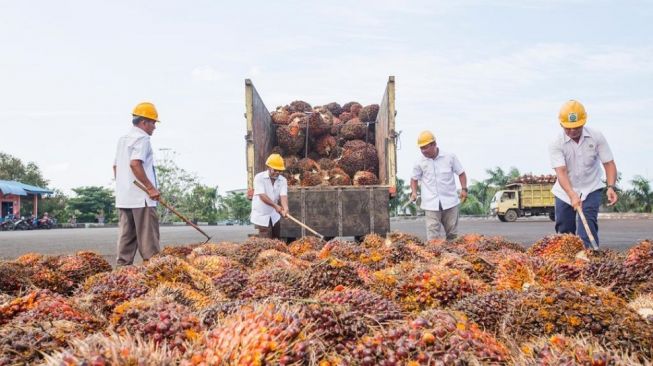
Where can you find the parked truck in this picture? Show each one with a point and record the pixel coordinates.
(523, 199)
(332, 211)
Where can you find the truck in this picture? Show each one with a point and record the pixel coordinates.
(523, 200)
(332, 211)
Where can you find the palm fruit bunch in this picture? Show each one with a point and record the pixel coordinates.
(355, 159)
(309, 256)
(82, 265)
(303, 245)
(516, 271)
(563, 350)
(111, 349)
(563, 246)
(433, 338)
(104, 291)
(248, 250)
(159, 319)
(574, 308)
(643, 305)
(638, 263)
(273, 258)
(44, 273)
(173, 269)
(213, 265)
(474, 243)
(369, 113)
(180, 251)
(25, 344)
(481, 268)
(29, 259)
(14, 278)
(436, 287)
(336, 327)
(319, 133)
(487, 310)
(45, 305)
(184, 295)
(225, 248)
(559, 269)
(609, 272)
(366, 304)
(257, 334)
(365, 178)
(386, 282)
(341, 249)
(281, 115)
(373, 241)
(218, 310)
(280, 282)
(328, 274)
(231, 282)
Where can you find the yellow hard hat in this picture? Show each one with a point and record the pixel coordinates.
(425, 138)
(147, 110)
(572, 114)
(275, 161)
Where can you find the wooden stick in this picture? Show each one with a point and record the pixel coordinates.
(305, 226)
(169, 207)
(587, 228)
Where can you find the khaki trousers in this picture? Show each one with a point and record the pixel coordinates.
(437, 220)
(139, 229)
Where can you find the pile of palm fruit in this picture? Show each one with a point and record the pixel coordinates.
(391, 300)
(329, 145)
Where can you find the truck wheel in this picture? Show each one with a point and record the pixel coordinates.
(511, 215)
(552, 216)
(502, 218)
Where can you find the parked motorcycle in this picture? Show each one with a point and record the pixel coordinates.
(7, 224)
(24, 223)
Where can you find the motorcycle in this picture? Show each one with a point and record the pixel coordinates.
(45, 223)
(23, 223)
(7, 224)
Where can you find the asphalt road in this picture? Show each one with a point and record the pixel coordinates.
(618, 234)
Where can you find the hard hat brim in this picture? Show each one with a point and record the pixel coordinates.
(425, 143)
(148, 117)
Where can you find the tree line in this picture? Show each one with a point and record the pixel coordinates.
(200, 202)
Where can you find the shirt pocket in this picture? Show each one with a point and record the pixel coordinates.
(590, 155)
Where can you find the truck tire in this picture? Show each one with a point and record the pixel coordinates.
(552, 216)
(511, 215)
(502, 218)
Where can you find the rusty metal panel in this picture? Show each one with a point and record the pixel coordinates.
(261, 136)
(385, 136)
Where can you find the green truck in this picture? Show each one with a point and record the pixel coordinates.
(523, 200)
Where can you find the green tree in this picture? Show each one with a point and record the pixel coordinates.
(55, 206)
(238, 206)
(499, 179)
(201, 203)
(12, 168)
(401, 198)
(642, 194)
(90, 200)
(472, 206)
(174, 183)
(482, 192)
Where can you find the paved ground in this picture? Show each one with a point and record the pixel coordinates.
(617, 234)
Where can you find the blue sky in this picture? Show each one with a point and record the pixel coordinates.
(486, 77)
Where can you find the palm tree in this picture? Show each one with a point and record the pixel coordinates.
(499, 179)
(642, 194)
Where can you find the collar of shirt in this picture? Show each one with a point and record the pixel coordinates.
(441, 154)
(137, 131)
(586, 133)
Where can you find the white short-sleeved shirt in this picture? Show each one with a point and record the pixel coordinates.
(583, 161)
(262, 212)
(133, 146)
(437, 180)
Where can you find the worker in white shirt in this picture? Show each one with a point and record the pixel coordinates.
(435, 172)
(577, 154)
(138, 221)
(270, 200)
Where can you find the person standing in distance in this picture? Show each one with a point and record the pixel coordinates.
(435, 173)
(270, 200)
(138, 220)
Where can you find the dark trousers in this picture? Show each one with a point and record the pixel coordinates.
(271, 231)
(567, 222)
